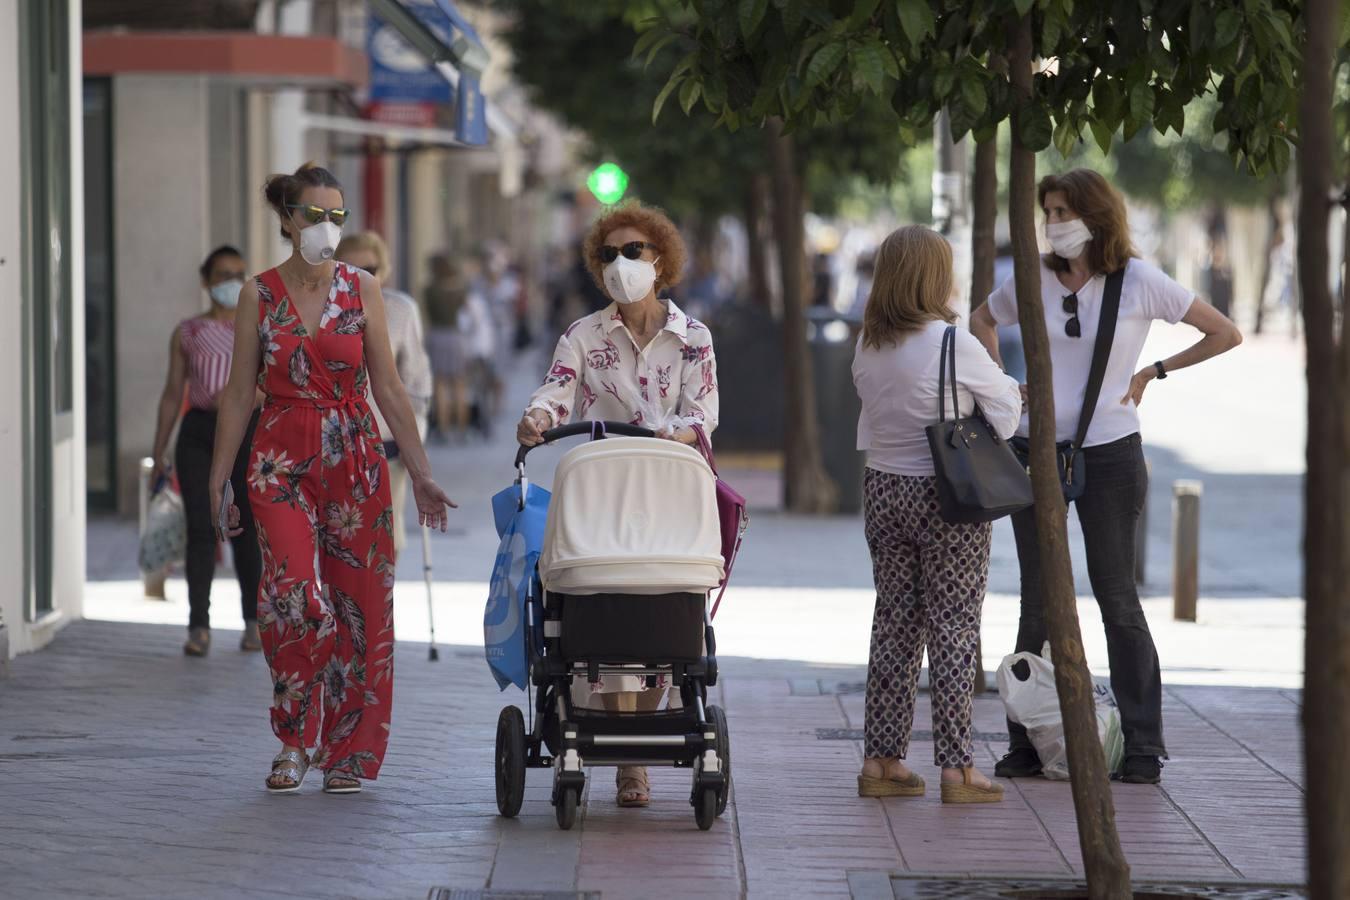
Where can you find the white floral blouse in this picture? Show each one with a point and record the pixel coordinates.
(599, 373)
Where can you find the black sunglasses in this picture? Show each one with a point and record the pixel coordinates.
(1072, 327)
(631, 250)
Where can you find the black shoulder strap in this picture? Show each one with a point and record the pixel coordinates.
(1101, 351)
(947, 361)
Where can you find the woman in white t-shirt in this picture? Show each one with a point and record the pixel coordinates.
(930, 575)
(1090, 239)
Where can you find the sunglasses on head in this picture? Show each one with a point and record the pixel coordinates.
(1073, 328)
(631, 250)
(316, 214)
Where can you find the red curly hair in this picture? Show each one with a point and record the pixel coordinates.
(657, 228)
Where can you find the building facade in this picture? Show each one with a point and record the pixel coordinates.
(42, 429)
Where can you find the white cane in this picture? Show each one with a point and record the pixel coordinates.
(432, 653)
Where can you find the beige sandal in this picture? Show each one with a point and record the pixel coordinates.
(335, 782)
(290, 765)
(910, 785)
(967, 792)
(634, 789)
(198, 642)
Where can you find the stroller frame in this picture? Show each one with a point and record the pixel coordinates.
(568, 738)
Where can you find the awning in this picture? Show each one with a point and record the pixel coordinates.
(460, 60)
(268, 60)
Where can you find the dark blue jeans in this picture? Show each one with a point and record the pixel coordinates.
(1117, 483)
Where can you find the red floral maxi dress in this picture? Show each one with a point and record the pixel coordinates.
(318, 485)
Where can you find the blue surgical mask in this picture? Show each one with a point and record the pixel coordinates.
(226, 293)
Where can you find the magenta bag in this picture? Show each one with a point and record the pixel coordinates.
(731, 515)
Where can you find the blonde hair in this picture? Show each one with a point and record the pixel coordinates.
(1102, 210)
(911, 287)
(367, 242)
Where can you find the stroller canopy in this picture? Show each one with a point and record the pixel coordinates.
(634, 516)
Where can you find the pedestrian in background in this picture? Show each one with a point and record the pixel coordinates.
(313, 333)
(478, 324)
(1089, 237)
(199, 359)
(367, 250)
(930, 575)
(445, 298)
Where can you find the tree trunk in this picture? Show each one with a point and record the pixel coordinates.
(756, 259)
(806, 486)
(1326, 691)
(1108, 874)
(984, 201)
(984, 213)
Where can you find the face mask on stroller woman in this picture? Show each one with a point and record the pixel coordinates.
(629, 280)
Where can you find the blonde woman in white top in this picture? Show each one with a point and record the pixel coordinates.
(367, 250)
(930, 575)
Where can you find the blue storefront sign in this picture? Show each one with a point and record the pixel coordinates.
(398, 73)
(471, 111)
(401, 79)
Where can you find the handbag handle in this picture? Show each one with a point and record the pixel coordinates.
(947, 362)
(705, 447)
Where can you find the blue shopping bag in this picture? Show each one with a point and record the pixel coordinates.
(514, 581)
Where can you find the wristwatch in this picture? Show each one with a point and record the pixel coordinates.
(1162, 372)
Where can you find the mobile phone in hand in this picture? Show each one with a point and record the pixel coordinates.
(226, 501)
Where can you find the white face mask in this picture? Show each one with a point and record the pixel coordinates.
(226, 293)
(629, 280)
(319, 242)
(1068, 239)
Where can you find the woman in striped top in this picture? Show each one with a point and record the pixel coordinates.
(199, 360)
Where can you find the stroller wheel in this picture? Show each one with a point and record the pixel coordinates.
(566, 807)
(718, 717)
(510, 761)
(705, 808)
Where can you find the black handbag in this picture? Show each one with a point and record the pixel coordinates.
(978, 477)
(1069, 454)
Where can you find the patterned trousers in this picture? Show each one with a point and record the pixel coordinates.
(930, 577)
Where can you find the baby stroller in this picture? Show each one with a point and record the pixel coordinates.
(631, 551)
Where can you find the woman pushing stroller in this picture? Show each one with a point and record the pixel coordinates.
(640, 360)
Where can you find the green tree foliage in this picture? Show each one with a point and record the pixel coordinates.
(585, 62)
(1109, 68)
(574, 60)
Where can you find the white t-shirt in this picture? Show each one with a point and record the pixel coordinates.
(1146, 294)
(898, 386)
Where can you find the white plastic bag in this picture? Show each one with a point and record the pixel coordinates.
(1033, 703)
(164, 540)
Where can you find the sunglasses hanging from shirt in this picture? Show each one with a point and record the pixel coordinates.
(1069, 454)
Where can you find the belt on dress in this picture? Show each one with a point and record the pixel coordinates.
(354, 408)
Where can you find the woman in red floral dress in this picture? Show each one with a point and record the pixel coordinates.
(312, 332)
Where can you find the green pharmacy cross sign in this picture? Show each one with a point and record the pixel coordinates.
(608, 183)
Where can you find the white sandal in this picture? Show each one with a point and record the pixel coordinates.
(291, 765)
(332, 775)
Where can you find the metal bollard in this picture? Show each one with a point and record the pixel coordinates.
(1185, 549)
(1141, 535)
(153, 581)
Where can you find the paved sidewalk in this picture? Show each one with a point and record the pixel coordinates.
(128, 770)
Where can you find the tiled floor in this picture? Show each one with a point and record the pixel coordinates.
(127, 770)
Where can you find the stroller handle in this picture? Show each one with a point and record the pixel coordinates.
(623, 429)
